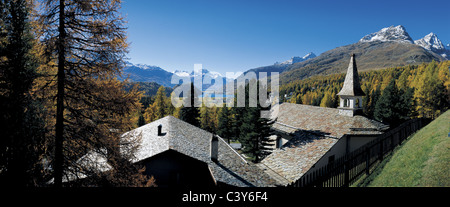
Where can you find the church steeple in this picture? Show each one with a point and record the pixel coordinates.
(351, 93)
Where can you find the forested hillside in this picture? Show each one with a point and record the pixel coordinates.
(426, 85)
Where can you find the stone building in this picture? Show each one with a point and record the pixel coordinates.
(179, 154)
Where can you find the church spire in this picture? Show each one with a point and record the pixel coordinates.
(351, 93)
(352, 87)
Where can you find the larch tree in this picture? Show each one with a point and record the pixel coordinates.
(85, 45)
(160, 104)
(214, 116)
(327, 101)
(444, 77)
(430, 93)
(205, 118)
(149, 113)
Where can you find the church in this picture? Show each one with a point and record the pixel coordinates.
(310, 137)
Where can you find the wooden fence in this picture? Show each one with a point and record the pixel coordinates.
(345, 170)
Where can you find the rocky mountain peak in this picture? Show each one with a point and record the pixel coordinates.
(430, 42)
(392, 33)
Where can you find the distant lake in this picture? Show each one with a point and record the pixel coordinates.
(217, 95)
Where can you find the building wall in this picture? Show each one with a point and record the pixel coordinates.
(358, 141)
(346, 144)
(173, 169)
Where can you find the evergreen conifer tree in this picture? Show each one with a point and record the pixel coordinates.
(255, 131)
(249, 134)
(406, 104)
(370, 101)
(141, 120)
(22, 140)
(224, 128)
(255, 134)
(190, 114)
(386, 108)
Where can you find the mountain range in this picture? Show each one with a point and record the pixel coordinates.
(391, 46)
(430, 42)
(148, 73)
(297, 59)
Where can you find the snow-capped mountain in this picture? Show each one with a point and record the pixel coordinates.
(433, 43)
(148, 73)
(390, 47)
(297, 59)
(182, 73)
(204, 72)
(309, 56)
(397, 33)
(430, 42)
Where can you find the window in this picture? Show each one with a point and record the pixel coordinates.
(346, 102)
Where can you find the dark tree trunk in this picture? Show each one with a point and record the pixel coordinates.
(59, 128)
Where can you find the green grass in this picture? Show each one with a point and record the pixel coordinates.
(422, 161)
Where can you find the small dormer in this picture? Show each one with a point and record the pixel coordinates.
(351, 93)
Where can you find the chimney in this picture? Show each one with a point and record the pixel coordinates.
(160, 130)
(214, 148)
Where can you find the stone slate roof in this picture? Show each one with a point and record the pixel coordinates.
(324, 121)
(231, 168)
(298, 155)
(352, 87)
(192, 141)
(314, 130)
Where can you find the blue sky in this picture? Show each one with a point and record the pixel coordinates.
(231, 36)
